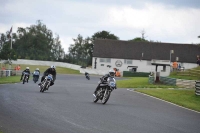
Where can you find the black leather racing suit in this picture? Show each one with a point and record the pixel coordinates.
(49, 71)
(103, 80)
(26, 71)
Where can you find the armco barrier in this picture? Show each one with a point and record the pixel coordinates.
(151, 80)
(197, 88)
(176, 82)
(169, 81)
(135, 74)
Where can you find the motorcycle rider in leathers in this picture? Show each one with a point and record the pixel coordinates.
(51, 70)
(26, 71)
(111, 73)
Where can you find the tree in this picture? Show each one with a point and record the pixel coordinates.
(37, 42)
(79, 52)
(139, 39)
(7, 52)
(104, 35)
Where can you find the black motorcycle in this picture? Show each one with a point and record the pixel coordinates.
(36, 75)
(87, 76)
(25, 77)
(45, 84)
(105, 90)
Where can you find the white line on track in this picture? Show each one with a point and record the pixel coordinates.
(163, 100)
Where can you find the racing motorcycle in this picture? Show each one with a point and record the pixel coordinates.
(25, 77)
(105, 90)
(45, 84)
(87, 76)
(36, 75)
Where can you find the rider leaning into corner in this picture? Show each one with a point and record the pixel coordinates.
(36, 70)
(52, 71)
(111, 73)
(26, 71)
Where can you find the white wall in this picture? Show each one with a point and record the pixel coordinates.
(143, 66)
(46, 63)
(189, 65)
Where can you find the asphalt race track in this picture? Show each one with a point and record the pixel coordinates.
(67, 107)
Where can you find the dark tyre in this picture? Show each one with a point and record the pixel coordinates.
(24, 80)
(95, 99)
(106, 97)
(42, 87)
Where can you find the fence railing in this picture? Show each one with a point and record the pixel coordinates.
(11, 72)
(197, 87)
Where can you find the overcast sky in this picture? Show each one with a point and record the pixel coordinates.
(173, 21)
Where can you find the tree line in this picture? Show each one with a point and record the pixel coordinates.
(37, 42)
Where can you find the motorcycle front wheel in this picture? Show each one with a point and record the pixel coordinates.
(24, 79)
(95, 99)
(43, 87)
(106, 97)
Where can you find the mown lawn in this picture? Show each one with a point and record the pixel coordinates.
(185, 98)
(182, 97)
(59, 70)
(175, 75)
(15, 79)
(11, 79)
(140, 82)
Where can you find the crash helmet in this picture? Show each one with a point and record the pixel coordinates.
(53, 67)
(37, 69)
(111, 73)
(27, 68)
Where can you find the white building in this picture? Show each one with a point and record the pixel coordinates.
(142, 56)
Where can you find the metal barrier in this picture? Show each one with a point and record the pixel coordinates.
(197, 87)
(6, 73)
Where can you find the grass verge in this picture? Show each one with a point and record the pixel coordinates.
(182, 97)
(175, 75)
(140, 82)
(185, 98)
(11, 79)
(59, 70)
(15, 79)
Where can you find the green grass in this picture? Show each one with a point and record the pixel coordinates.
(59, 70)
(140, 82)
(188, 77)
(15, 79)
(190, 74)
(11, 79)
(185, 98)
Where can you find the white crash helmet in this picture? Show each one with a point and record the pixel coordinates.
(37, 69)
(53, 66)
(27, 68)
(111, 73)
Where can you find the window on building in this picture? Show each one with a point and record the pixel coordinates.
(102, 60)
(102, 64)
(128, 61)
(106, 60)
